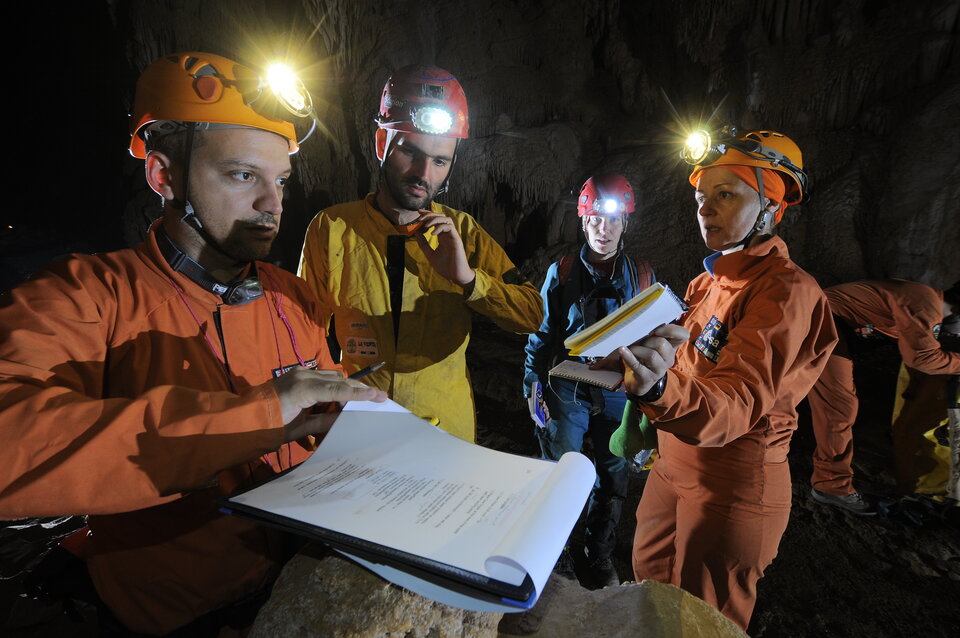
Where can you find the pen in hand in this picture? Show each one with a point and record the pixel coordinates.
(359, 374)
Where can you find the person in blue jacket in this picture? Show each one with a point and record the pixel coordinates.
(579, 290)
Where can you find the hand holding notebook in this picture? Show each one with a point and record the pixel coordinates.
(631, 322)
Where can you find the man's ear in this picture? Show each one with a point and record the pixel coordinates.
(159, 172)
(381, 143)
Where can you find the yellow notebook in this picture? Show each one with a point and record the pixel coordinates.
(630, 322)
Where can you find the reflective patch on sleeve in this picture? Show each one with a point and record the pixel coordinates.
(513, 277)
(278, 372)
(712, 340)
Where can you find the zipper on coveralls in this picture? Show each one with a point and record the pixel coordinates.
(223, 345)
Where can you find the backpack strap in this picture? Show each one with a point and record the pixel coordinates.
(565, 267)
(643, 273)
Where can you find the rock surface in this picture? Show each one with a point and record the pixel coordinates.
(324, 595)
(649, 609)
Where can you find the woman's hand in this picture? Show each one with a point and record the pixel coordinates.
(646, 361)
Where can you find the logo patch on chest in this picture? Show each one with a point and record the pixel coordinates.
(361, 347)
(712, 340)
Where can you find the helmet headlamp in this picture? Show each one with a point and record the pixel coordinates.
(696, 147)
(704, 147)
(608, 206)
(289, 90)
(432, 119)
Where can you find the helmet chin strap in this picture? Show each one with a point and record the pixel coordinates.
(446, 182)
(763, 217)
(189, 216)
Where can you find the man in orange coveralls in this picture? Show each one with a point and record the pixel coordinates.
(906, 311)
(717, 501)
(140, 385)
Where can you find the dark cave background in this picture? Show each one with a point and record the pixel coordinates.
(558, 90)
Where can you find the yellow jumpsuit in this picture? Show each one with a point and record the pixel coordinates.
(344, 261)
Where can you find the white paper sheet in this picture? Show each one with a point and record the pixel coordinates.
(393, 479)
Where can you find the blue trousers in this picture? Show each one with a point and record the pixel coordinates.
(570, 404)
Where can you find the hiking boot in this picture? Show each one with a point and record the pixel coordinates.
(564, 567)
(602, 573)
(852, 502)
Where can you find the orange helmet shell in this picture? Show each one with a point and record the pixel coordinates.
(772, 140)
(200, 87)
(417, 87)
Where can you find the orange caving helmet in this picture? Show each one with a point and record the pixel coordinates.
(424, 99)
(202, 87)
(760, 149)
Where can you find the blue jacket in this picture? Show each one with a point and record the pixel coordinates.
(562, 308)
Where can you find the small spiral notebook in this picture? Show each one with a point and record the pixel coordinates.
(577, 371)
(634, 320)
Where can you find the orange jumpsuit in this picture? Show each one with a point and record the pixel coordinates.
(718, 499)
(904, 310)
(113, 404)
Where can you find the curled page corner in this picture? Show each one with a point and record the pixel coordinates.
(505, 569)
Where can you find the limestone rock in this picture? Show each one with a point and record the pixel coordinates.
(649, 609)
(324, 595)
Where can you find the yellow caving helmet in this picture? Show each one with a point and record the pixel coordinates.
(760, 149)
(203, 87)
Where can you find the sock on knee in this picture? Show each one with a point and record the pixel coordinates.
(634, 435)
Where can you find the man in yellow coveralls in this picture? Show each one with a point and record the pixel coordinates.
(400, 272)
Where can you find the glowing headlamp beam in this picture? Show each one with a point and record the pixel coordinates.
(433, 120)
(608, 205)
(288, 89)
(696, 147)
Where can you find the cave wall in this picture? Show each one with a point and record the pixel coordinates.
(559, 89)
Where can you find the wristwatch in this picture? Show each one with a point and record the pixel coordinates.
(654, 393)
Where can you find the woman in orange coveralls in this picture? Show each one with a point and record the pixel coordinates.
(758, 333)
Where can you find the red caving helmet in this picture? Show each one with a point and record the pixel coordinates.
(606, 195)
(424, 99)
